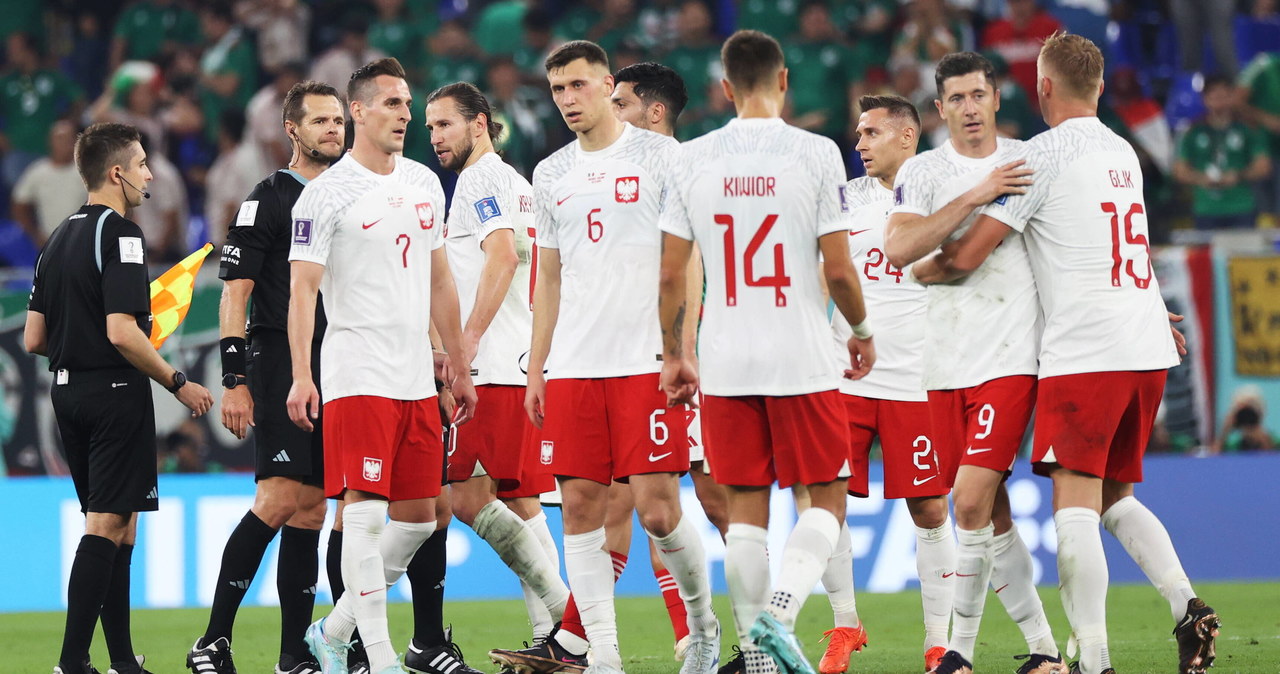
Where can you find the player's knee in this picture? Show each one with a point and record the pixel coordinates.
(972, 513)
(928, 513)
(660, 521)
(466, 509)
(309, 514)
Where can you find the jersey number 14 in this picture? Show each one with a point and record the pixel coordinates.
(778, 280)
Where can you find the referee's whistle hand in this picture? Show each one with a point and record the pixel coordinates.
(196, 397)
(303, 404)
(237, 411)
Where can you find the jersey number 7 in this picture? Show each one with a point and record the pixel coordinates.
(777, 281)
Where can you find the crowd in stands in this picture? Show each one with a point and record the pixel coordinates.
(1191, 83)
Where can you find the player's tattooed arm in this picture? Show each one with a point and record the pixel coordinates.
(678, 379)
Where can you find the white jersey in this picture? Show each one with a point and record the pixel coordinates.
(1086, 229)
(374, 234)
(756, 195)
(897, 306)
(985, 325)
(600, 209)
(490, 196)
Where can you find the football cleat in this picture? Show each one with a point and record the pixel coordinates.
(933, 657)
(301, 668)
(83, 668)
(1196, 633)
(446, 658)
(737, 663)
(682, 647)
(841, 643)
(134, 667)
(1075, 669)
(544, 657)
(780, 644)
(953, 663)
(703, 654)
(330, 654)
(1039, 663)
(212, 659)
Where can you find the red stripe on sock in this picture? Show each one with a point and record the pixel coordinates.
(619, 564)
(572, 620)
(675, 605)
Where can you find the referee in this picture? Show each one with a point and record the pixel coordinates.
(289, 461)
(90, 313)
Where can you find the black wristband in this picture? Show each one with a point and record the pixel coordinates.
(233, 355)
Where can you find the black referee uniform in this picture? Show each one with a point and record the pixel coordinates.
(93, 265)
(257, 249)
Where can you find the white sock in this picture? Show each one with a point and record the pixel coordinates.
(364, 604)
(935, 561)
(973, 572)
(538, 525)
(400, 542)
(804, 559)
(516, 545)
(590, 571)
(838, 581)
(1011, 578)
(1147, 542)
(681, 552)
(1083, 577)
(746, 569)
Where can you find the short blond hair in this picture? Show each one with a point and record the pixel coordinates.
(1076, 63)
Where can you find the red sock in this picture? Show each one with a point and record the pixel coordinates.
(675, 605)
(572, 620)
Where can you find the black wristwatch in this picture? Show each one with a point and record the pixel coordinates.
(179, 380)
(231, 380)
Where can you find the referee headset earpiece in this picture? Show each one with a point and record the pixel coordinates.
(145, 194)
(310, 150)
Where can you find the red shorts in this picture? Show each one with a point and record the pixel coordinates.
(1097, 423)
(910, 463)
(501, 439)
(981, 425)
(612, 428)
(391, 448)
(754, 441)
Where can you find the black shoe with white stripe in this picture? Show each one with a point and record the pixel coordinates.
(444, 659)
(212, 659)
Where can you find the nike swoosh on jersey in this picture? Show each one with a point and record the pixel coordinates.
(857, 232)
(1001, 588)
(969, 451)
(917, 481)
(659, 457)
(365, 594)
(948, 575)
(364, 226)
(561, 201)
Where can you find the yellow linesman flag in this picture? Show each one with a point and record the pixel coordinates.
(171, 295)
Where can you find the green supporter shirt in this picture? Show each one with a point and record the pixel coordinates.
(820, 74)
(575, 23)
(30, 104)
(1015, 108)
(145, 28)
(498, 24)
(699, 67)
(846, 14)
(775, 17)
(396, 37)
(228, 56)
(1215, 151)
(1262, 80)
(444, 70)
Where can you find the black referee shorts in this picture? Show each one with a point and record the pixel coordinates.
(108, 426)
(281, 449)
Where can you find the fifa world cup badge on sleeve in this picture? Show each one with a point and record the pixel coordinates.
(302, 231)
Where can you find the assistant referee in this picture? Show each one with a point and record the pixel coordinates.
(90, 313)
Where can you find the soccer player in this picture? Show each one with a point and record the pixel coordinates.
(890, 402)
(1105, 352)
(763, 197)
(368, 232)
(652, 96)
(595, 336)
(495, 469)
(90, 313)
(289, 461)
(979, 354)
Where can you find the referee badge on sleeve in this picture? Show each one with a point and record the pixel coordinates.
(302, 231)
(131, 249)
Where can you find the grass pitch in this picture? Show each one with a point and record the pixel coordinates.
(1139, 622)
